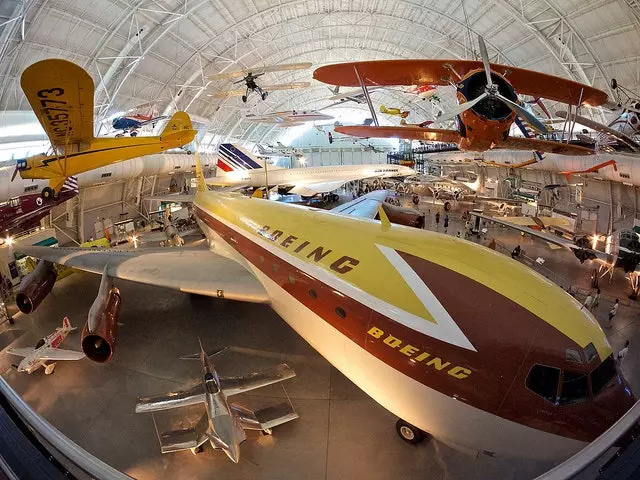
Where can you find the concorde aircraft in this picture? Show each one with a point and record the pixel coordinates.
(453, 338)
(238, 168)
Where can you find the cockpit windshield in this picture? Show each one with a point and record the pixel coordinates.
(210, 383)
(602, 375)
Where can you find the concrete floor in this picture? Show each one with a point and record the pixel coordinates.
(341, 433)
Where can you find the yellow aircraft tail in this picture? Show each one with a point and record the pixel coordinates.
(200, 183)
(179, 128)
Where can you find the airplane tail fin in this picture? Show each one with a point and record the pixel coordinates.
(383, 109)
(179, 129)
(201, 184)
(232, 158)
(66, 324)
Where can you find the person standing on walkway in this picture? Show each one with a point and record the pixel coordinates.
(613, 311)
(623, 353)
(588, 302)
(446, 222)
(596, 300)
(437, 219)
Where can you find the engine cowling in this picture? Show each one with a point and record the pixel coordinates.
(403, 215)
(99, 334)
(35, 286)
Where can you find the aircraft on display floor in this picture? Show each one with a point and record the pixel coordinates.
(224, 423)
(46, 350)
(250, 75)
(279, 151)
(422, 322)
(624, 251)
(61, 95)
(487, 94)
(240, 169)
(25, 211)
(290, 118)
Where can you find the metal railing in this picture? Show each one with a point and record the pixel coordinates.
(82, 459)
(595, 450)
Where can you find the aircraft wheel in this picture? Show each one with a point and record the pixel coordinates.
(614, 84)
(244, 99)
(447, 206)
(118, 135)
(47, 193)
(416, 199)
(264, 95)
(409, 433)
(134, 134)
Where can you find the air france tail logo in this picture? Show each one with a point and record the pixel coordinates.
(232, 158)
(445, 328)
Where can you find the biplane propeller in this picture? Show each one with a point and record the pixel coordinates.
(487, 95)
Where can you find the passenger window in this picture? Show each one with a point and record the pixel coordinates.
(602, 375)
(544, 380)
(574, 387)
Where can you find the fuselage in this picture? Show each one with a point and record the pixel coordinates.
(294, 176)
(98, 153)
(25, 211)
(452, 337)
(222, 423)
(33, 362)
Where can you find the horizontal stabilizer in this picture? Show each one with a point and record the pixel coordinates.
(276, 415)
(196, 356)
(185, 438)
(56, 354)
(21, 352)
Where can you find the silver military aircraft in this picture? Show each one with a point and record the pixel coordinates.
(224, 423)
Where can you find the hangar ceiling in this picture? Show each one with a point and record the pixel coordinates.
(162, 50)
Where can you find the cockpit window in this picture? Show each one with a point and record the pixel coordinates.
(544, 380)
(602, 375)
(590, 352)
(574, 387)
(573, 355)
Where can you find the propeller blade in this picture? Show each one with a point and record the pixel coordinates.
(485, 60)
(15, 172)
(524, 114)
(463, 107)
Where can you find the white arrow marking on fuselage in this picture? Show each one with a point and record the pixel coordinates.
(445, 328)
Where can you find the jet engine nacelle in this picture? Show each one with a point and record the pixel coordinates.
(403, 215)
(35, 286)
(99, 333)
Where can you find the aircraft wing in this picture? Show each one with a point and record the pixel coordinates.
(408, 132)
(437, 72)
(21, 352)
(60, 354)
(265, 418)
(521, 143)
(365, 206)
(286, 86)
(171, 198)
(539, 221)
(245, 383)
(185, 438)
(203, 272)
(598, 127)
(61, 95)
(547, 237)
(319, 186)
(167, 401)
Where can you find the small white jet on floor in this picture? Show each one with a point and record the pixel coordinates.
(238, 168)
(224, 423)
(47, 350)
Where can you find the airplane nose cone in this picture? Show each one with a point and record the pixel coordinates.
(234, 452)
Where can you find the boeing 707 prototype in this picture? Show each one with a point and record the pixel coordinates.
(453, 338)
